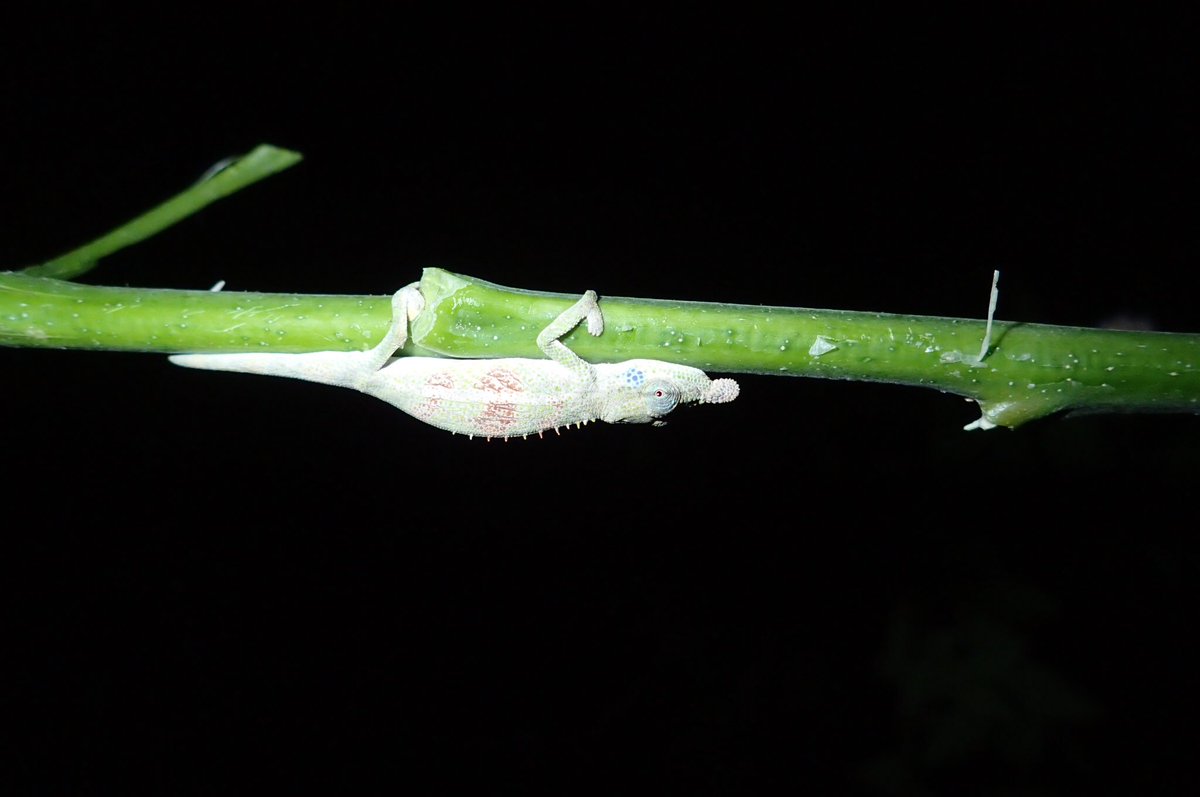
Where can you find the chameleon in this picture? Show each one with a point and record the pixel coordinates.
(500, 397)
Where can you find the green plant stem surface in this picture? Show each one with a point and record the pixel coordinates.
(50, 313)
(1030, 370)
(219, 182)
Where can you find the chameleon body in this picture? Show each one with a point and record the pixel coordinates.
(505, 397)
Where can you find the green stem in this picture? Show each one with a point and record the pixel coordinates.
(220, 181)
(50, 313)
(1031, 370)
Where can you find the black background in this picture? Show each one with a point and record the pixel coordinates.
(216, 582)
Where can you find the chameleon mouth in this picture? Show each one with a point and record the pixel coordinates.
(720, 391)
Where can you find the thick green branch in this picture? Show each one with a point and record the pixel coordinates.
(1030, 371)
(50, 313)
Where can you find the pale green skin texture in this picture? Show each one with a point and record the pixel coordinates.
(503, 397)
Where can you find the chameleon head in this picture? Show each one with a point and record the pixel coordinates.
(643, 391)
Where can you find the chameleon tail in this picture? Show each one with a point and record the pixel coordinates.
(327, 368)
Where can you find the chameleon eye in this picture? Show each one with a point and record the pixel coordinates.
(661, 398)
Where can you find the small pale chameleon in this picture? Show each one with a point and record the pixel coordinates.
(495, 397)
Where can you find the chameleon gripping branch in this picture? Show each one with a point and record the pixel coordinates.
(1022, 372)
(505, 397)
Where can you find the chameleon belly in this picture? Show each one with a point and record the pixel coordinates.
(490, 398)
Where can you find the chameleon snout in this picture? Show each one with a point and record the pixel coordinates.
(720, 391)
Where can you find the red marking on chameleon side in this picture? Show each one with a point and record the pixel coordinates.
(501, 380)
(427, 408)
(440, 379)
(496, 418)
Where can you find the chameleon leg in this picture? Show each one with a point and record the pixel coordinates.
(548, 340)
(407, 303)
